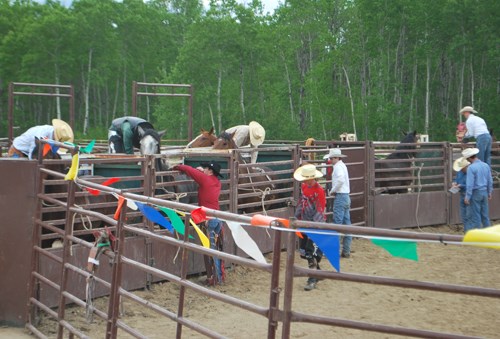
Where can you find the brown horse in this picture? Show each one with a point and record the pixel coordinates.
(310, 142)
(256, 182)
(205, 139)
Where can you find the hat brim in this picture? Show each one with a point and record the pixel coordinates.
(255, 126)
(62, 131)
(457, 164)
(297, 175)
(472, 151)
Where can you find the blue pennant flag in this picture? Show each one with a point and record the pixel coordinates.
(328, 243)
(53, 147)
(153, 215)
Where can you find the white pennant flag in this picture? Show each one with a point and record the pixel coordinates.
(245, 242)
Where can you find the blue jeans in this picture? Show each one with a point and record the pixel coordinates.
(463, 213)
(341, 215)
(483, 143)
(214, 228)
(478, 211)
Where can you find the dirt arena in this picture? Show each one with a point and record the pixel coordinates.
(453, 264)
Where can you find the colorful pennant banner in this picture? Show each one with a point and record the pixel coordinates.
(154, 216)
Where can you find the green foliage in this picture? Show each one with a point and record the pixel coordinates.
(313, 68)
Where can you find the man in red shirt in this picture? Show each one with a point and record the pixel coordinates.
(209, 186)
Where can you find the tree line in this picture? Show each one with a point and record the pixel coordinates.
(312, 68)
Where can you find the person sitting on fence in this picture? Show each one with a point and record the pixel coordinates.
(123, 134)
(23, 145)
(209, 187)
(459, 185)
(311, 207)
(479, 189)
(476, 127)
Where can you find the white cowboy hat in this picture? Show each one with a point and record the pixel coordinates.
(257, 133)
(460, 163)
(307, 172)
(468, 109)
(62, 131)
(469, 152)
(334, 153)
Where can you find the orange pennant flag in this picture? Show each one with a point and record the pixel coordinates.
(46, 149)
(121, 201)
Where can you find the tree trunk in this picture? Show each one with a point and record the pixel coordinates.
(86, 94)
(242, 93)
(219, 91)
(289, 83)
(350, 98)
(427, 96)
(58, 99)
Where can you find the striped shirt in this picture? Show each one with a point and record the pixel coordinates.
(478, 178)
(475, 126)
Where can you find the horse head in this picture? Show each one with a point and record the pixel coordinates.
(150, 141)
(225, 141)
(205, 139)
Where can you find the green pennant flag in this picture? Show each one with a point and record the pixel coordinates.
(176, 221)
(89, 147)
(398, 248)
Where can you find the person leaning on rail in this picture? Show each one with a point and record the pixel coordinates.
(476, 127)
(23, 145)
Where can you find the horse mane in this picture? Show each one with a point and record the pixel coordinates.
(409, 138)
(152, 132)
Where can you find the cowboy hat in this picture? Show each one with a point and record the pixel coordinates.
(334, 153)
(257, 133)
(460, 163)
(469, 152)
(62, 131)
(215, 167)
(468, 109)
(307, 172)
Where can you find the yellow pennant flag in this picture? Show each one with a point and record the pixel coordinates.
(203, 238)
(488, 235)
(73, 171)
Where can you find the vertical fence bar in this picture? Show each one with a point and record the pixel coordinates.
(275, 290)
(114, 297)
(66, 253)
(184, 270)
(287, 302)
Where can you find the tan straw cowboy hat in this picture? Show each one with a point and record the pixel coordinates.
(257, 133)
(307, 172)
(460, 163)
(469, 152)
(62, 131)
(468, 109)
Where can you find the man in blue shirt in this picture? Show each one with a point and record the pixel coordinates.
(459, 185)
(478, 190)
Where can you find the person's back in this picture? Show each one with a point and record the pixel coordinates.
(123, 134)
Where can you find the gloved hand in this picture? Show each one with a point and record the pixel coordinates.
(175, 168)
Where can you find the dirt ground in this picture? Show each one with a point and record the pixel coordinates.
(453, 313)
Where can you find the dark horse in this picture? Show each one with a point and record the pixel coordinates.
(255, 184)
(395, 171)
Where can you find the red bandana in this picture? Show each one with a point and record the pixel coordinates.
(315, 195)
